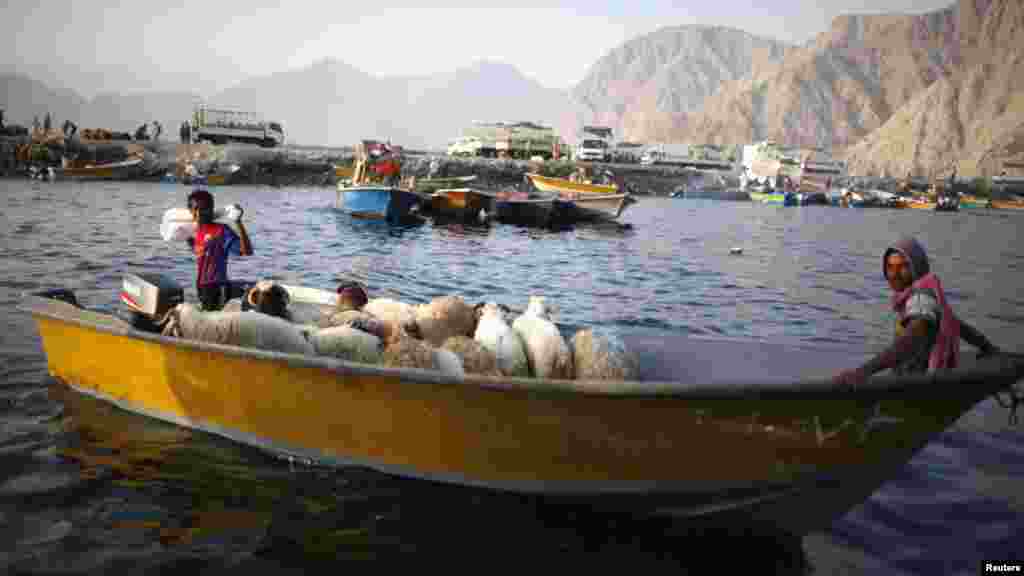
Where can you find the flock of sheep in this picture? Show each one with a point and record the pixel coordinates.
(447, 335)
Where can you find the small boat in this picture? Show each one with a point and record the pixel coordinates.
(535, 209)
(709, 429)
(467, 204)
(344, 171)
(584, 202)
(970, 202)
(1008, 204)
(567, 188)
(947, 204)
(596, 207)
(123, 170)
(921, 204)
(378, 202)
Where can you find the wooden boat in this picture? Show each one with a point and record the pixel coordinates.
(344, 171)
(921, 205)
(768, 197)
(123, 170)
(466, 204)
(595, 207)
(1008, 204)
(534, 209)
(567, 188)
(970, 202)
(378, 202)
(711, 428)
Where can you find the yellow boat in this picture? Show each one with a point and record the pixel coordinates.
(920, 205)
(567, 188)
(582, 201)
(124, 170)
(344, 171)
(703, 432)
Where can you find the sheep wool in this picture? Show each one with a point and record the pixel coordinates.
(347, 343)
(474, 357)
(494, 334)
(246, 329)
(548, 354)
(359, 320)
(399, 315)
(408, 352)
(443, 318)
(600, 354)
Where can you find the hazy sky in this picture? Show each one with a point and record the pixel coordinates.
(95, 45)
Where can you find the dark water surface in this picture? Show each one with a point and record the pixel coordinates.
(85, 487)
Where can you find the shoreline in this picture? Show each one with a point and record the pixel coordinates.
(314, 166)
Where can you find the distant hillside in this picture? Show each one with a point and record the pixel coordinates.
(22, 98)
(972, 119)
(666, 73)
(857, 75)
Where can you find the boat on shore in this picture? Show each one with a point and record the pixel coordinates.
(709, 428)
(125, 170)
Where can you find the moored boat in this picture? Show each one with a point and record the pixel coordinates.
(768, 197)
(431, 185)
(567, 188)
(378, 202)
(702, 432)
(537, 209)
(466, 204)
(1008, 204)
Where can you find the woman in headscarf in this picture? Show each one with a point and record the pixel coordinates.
(928, 333)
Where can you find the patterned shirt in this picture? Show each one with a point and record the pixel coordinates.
(922, 304)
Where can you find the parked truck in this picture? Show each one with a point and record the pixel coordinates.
(221, 125)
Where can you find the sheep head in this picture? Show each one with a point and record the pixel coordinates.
(491, 309)
(539, 307)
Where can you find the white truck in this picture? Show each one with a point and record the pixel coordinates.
(594, 144)
(220, 126)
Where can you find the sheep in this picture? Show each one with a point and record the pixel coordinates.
(269, 298)
(546, 351)
(246, 329)
(600, 354)
(404, 351)
(347, 343)
(359, 320)
(443, 318)
(494, 334)
(474, 357)
(399, 315)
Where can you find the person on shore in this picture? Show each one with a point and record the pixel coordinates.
(928, 333)
(212, 244)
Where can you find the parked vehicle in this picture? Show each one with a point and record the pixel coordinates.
(220, 126)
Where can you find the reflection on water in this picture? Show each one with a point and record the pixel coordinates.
(86, 487)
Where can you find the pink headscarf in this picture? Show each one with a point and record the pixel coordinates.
(946, 351)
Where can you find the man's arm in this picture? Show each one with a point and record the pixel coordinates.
(912, 343)
(243, 236)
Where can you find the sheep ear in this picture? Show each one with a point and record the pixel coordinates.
(505, 309)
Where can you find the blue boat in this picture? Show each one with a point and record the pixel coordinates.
(378, 202)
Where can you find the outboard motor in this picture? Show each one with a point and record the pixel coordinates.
(148, 297)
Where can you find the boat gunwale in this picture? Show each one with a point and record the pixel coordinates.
(989, 376)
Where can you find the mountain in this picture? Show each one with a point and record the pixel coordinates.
(24, 98)
(340, 104)
(668, 73)
(972, 119)
(854, 77)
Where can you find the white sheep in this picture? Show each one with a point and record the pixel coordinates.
(347, 343)
(246, 329)
(548, 354)
(443, 318)
(359, 320)
(494, 334)
(599, 354)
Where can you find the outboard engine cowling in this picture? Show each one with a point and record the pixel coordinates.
(148, 297)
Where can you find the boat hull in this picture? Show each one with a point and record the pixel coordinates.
(378, 202)
(588, 208)
(768, 198)
(694, 448)
(462, 204)
(519, 209)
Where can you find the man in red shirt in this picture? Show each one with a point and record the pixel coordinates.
(212, 244)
